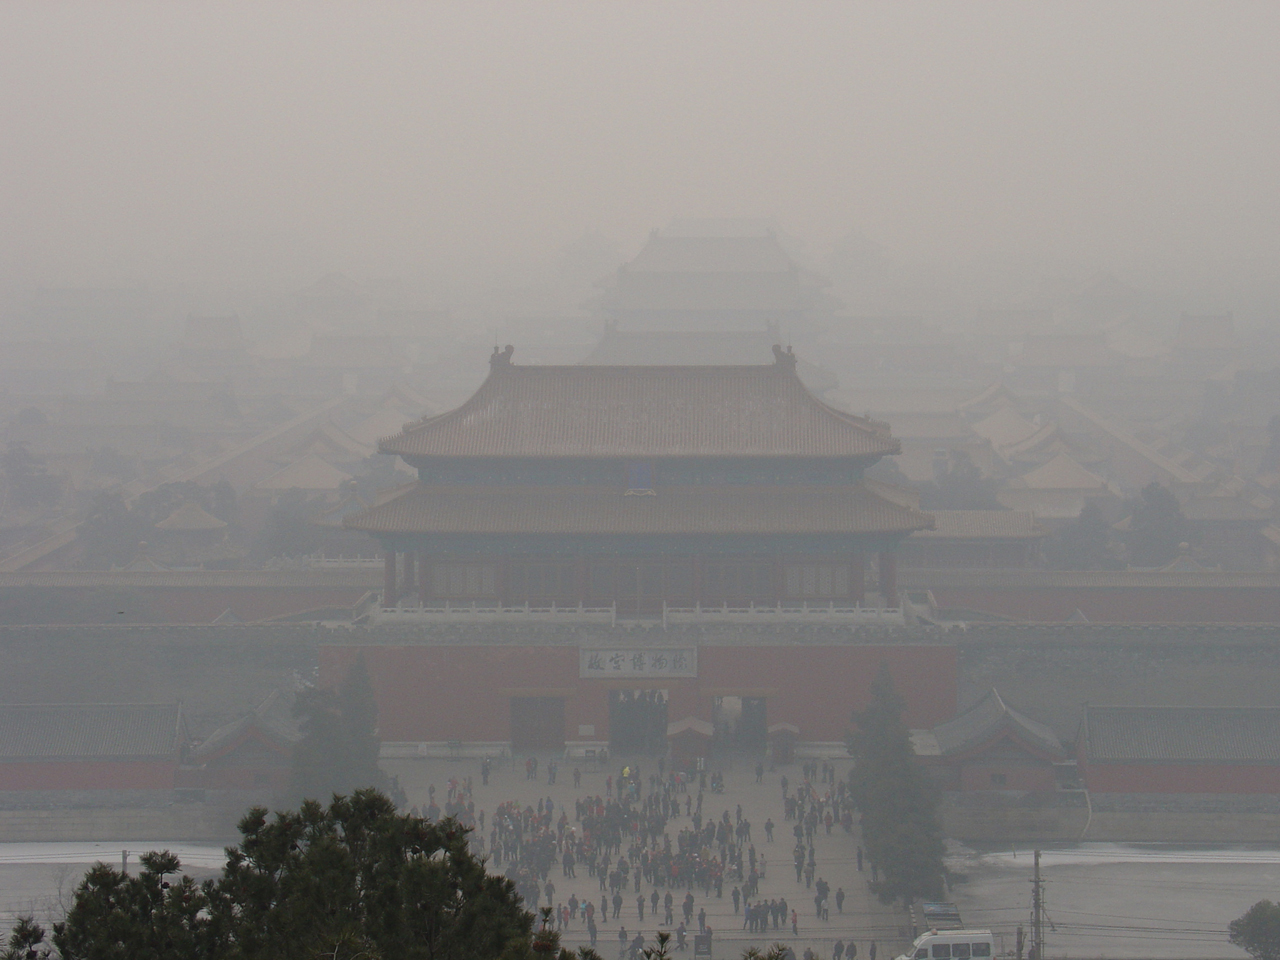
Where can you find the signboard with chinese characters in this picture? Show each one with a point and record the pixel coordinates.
(633, 664)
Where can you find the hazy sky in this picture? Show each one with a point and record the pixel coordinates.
(139, 138)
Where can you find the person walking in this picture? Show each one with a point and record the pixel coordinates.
(871, 950)
(839, 899)
(837, 951)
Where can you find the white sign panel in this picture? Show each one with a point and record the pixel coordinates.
(634, 664)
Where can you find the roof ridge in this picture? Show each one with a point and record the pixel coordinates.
(1004, 707)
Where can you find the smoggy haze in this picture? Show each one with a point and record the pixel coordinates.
(267, 143)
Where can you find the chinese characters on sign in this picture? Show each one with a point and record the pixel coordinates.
(633, 664)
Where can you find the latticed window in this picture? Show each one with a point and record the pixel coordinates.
(826, 580)
(463, 580)
(739, 581)
(542, 582)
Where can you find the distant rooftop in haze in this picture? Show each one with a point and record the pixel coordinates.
(712, 275)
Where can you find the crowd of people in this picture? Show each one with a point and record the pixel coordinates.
(651, 855)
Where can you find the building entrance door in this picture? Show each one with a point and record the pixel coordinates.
(638, 721)
(742, 723)
(537, 723)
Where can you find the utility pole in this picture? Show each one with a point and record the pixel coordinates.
(1037, 911)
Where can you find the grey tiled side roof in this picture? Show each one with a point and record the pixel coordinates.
(90, 730)
(1192, 734)
(987, 717)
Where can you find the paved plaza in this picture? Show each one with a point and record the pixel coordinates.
(863, 919)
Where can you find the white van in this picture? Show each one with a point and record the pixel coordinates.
(951, 945)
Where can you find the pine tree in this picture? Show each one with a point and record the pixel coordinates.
(338, 753)
(351, 881)
(1258, 931)
(1157, 527)
(898, 808)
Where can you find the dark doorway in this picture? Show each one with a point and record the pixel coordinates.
(537, 723)
(742, 723)
(638, 721)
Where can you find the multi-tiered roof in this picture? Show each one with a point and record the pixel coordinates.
(756, 415)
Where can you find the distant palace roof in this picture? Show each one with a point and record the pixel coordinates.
(985, 525)
(191, 516)
(641, 413)
(446, 509)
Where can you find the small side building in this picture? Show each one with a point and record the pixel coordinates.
(992, 747)
(251, 754)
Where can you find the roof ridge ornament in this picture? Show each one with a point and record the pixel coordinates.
(501, 358)
(784, 359)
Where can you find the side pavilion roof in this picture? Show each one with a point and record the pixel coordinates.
(987, 719)
(643, 413)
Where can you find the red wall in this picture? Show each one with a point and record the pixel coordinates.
(87, 775)
(1034, 778)
(1119, 605)
(1181, 778)
(437, 693)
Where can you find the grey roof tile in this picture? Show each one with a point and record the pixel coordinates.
(80, 731)
(1188, 734)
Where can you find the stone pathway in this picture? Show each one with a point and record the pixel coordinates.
(863, 919)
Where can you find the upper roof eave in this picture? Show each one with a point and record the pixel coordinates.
(631, 412)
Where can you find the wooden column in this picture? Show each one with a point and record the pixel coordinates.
(389, 584)
(424, 579)
(889, 577)
(697, 578)
(779, 578)
(858, 578)
(580, 578)
(410, 576)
